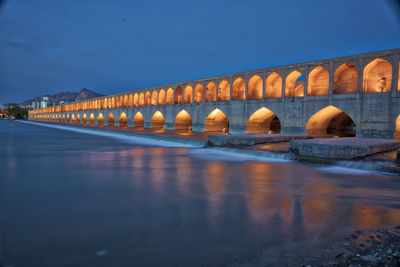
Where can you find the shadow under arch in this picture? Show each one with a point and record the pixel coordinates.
(216, 121)
(100, 120)
(183, 121)
(110, 120)
(138, 121)
(157, 121)
(123, 120)
(263, 121)
(330, 121)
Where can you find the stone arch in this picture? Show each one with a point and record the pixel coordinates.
(239, 89)
(130, 100)
(73, 119)
(100, 120)
(170, 96)
(91, 119)
(183, 121)
(377, 76)
(154, 98)
(397, 130)
(161, 97)
(345, 79)
(136, 100)
(199, 93)
(318, 82)
(63, 118)
(263, 121)
(84, 119)
(224, 90)
(125, 101)
(211, 92)
(255, 88)
(330, 121)
(123, 120)
(147, 98)
(273, 86)
(121, 101)
(78, 119)
(216, 121)
(188, 94)
(67, 118)
(113, 102)
(141, 99)
(110, 119)
(294, 84)
(138, 121)
(157, 121)
(178, 95)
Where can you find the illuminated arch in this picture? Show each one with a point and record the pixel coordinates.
(188, 94)
(273, 86)
(138, 121)
(154, 98)
(397, 130)
(318, 82)
(330, 121)
(239, 89)
(183, 121)
(224, 90)
(125, 101)
(67, 118)
(377, 76)
(161, 97)
(157, 121)
(136, 100)
(113, 102)
(121, 101)
(73, 119)
(78, 119)
(141, 99)
(294, 84)
(170, 96)
(345, 79)
(91, 119)
(130, 100)
(216, 121)
(211, 92)
(63, 118)
(100, 120)
(84, 119)
(105, 103)
(110, 119)
(255, 88)
(147, 99)
(178, 95)
(199, 93)
(123, 120)
(263, 121)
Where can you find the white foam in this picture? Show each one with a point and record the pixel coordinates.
(123, 137)
(344, 170)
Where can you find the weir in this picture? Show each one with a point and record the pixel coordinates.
(348, 96)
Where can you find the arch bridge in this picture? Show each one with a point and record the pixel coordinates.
(348, 96)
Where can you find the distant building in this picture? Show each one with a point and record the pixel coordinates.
(40, 103)
(3, 109)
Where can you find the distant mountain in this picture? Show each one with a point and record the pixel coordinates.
(68, 96)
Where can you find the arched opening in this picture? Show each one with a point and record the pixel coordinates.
(113, 102)
(130, 101)
(123, 120)
(161, 97)
(170, 96)
(100, 120)
(67, 118)
(183, 121)
(63, 118)
(138, 121)
(211, 92)
(294, 84)
(199, 93)
(157, 121)
(135, 100)
(224, 91)
(255, 88)
(110, 120)
(238, 89)
(121, 101)
(345, 79)
(116, 102)
(72, 119)
(141, 100)
(216, 121)
(84, 119)
(263, 121)
(397, 131)
(148, 98)
(377, 76)
(188, 94)
(178, 95)
(78, 119)
(154, 99)
(91, 119)
(330, 121)
(273, 86)
(318, 82)
(125, 101)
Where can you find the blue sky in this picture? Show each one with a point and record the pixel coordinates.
(49, 46)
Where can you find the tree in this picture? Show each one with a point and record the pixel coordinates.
(17, 112)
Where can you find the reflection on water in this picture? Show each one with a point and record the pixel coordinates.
(161, 206)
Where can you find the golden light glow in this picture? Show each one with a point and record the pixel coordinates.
(273, 86)
(161, 97)
(239, 89)
(91, 119)
(170, 96)
(217, 121)
(123, 120)
(224, 90)
(147, 98)
(255, 88)
(72, 119)
(345, 79)
(110, 119)
(377, 76)
(178, 95)
(130, 100)
(294, 86)
(138, 121)
(84, 119)
(154, 98)
(263, 121)
(183, 121)
(157, 121)
(100, 120)
(199, 93)
(78, 119)
(141, 99)
(211, 92)
(318, 82)
(397, 131)
(188, 94)
(136, 100)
